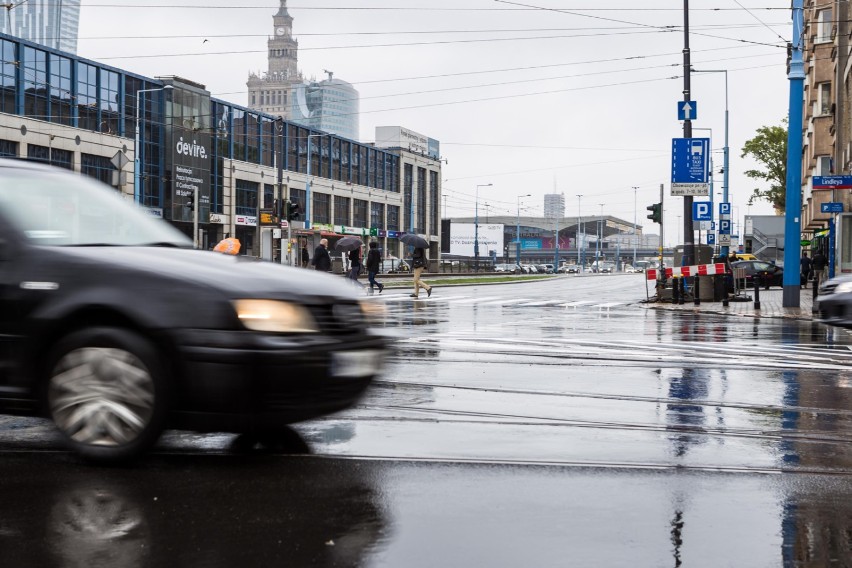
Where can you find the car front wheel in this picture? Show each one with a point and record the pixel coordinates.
(106, 393)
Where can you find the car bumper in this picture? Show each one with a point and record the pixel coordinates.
(835, 309)
(243, 382)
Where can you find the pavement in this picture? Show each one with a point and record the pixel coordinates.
(771, 305)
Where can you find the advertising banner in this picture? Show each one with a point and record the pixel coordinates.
(190, 172)
(463, 237)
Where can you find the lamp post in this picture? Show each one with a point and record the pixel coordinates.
(599, 247)
(635, 236)
(476, 225)
(579, 240)
(726, 159)
(137, 150)
(518, 233)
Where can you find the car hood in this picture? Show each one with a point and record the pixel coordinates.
(234, 276)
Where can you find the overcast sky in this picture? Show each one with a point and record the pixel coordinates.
(574, 95)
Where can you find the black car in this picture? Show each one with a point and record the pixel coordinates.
(116, 328)
(834, 303)
(770, 274)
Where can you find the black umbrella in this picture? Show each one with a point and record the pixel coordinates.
(348, 243)
(415, 241)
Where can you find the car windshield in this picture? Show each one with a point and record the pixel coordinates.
(58, 209)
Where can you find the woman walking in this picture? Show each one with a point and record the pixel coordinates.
(374, 261)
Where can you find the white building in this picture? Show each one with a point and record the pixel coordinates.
(330, 105)
(554, 205)
(46, 22)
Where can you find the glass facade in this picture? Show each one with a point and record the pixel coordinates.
(35, 83)
(408, 196)
(322, 207)
(342, 210)
(421, 201)
(98, 167)
(435, 207)
(377, 215)
(246, 197)
(8, 77)
(393, 218)
(359, 217)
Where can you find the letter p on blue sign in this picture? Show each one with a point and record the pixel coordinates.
(702, 211)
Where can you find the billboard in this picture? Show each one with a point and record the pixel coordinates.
(463, 237)
(190, 171)
(398, 137)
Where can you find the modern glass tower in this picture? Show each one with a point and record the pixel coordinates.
(52, 23)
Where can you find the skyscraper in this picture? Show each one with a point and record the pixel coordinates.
(554, 205)
(52, 23)
(330, 105)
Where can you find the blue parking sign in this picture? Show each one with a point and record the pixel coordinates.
(702, 211)
(711, 238)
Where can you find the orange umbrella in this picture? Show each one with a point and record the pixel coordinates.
(228, 246)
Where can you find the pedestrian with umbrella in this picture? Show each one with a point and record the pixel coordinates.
(418, 261)
(374, 262)
(353, 246)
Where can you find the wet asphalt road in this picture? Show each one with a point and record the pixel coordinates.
(554, 423)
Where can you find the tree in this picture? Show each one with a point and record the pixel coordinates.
(769, 149)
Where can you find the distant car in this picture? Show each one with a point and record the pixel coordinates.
(532, 269)
(629, 269)
(834, 303)
(746, 256)
(112, 325)
(543, 269)
(569, 269)
(550, 268)
(606, 268)
(770, 274)
(512, 268)
(395, 266)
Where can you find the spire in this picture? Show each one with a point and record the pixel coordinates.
(282, 11)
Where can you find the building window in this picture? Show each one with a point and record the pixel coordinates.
(393, 218)
(62, 159)
(421, 200)
(97, 167)
(253, 138)
(109, 102)
(268, 196)
(246, 197)
(433, 202)
(297, 196)
(60, 90)
(360, 216)
(8, 149)
(239, 121)
(87, 96)
(408, 196)
(35, 83)
(321, 212)
(8, 85)
(824, 98)
(824, 25)
(38, 153)
(342, 212)
(377, 215)
(824, 166)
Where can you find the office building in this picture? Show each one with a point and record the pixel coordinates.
(554, 205)
(52, 23)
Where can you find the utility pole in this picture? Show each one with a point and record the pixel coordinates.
(635, 235)
(792, 216)
(688, 232)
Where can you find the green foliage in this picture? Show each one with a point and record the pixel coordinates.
(769, 149)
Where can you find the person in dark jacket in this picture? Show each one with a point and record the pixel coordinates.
(305, 256)
(818, 264)
(355, 264)
(419, 262)
(806, 269)
(322, 260)
(374, 262)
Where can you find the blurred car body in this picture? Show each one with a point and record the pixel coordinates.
(116, 328)
(834, 302)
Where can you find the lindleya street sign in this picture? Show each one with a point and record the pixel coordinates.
(832, 182)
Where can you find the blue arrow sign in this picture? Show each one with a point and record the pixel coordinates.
(702, 211)
(687, 110)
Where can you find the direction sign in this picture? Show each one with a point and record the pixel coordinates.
(687, 110)
(690, 173)
(831, 207)
(702, 211)
(832, 182)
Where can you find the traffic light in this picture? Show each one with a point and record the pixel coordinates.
(656, 213)
(293, 211)
(190, 204)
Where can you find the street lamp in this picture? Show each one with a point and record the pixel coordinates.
(476, 225)
(518, 233)
(137, 150)
(308, 182)
(599, 247)
(726, 163)
(579, 240)
(635, 236)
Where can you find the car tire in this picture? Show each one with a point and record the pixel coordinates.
(105, 391)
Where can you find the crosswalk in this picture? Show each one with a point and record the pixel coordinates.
(495, 301)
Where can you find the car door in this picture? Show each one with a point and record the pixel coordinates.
(9, 310)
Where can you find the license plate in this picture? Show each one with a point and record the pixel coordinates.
(357, 364)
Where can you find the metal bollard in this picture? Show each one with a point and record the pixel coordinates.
(675, 290)
(696, 293)
(756, 291)
(682, 299)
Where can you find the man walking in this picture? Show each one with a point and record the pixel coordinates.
(818, 264)
(806, 269)
(305, 256)
(419, 261)
(322, 260)
(374, 261)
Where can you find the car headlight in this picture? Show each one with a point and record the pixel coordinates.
(843, 288)
(273, 316)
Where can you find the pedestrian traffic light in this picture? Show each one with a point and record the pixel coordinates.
(656, 213)
(293, 211)
(190, 204)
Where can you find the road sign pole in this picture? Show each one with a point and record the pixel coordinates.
(688, 232)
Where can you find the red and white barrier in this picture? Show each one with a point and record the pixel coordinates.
(685, 271)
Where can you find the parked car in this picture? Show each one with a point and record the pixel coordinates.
(770, 273)
(544, 268)
(569, 269)
(549, 268)
(112, 325)
(834, 303)
(513, 268)
(395, 266)
(531, 268)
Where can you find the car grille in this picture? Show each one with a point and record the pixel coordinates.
(339, 318)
